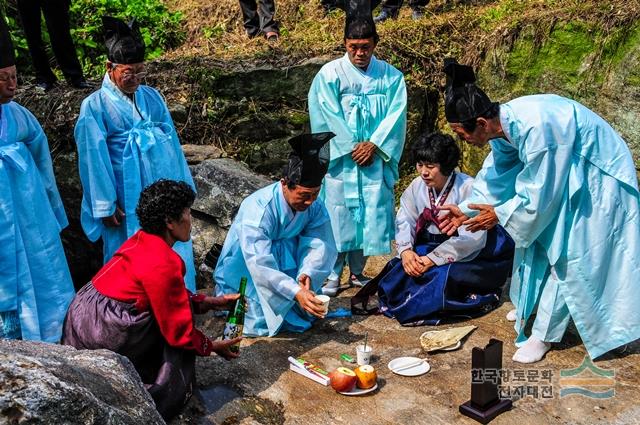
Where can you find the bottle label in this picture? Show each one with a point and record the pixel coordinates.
(231, 331)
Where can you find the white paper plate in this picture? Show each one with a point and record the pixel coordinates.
(398, 363)
(359, 391)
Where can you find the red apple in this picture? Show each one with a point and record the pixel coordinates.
(343, 379)
(366, 376)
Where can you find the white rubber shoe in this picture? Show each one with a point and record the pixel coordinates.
(331, 287)
(512, 315)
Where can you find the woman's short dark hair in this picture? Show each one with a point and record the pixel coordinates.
(492, 112)
(163, 201)
(436, 148)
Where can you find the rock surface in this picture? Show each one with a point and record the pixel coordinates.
(52, 384)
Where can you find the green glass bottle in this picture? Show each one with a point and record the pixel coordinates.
(235, 321)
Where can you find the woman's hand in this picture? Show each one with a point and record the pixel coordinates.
(223, 302)
(412, 263)
(221, 348)
(428, 263)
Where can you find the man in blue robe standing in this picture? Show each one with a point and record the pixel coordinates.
(126, 141)
(35, 283)
(281, 240)
(363, 101)
(563, 183)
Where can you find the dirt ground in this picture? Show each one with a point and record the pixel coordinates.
(258, 388)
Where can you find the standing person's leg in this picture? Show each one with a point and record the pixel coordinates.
(418, 8)
(268, 25)
(357, 260)
(30, 14)
(250, 17)
(56, 16)
(333, 281)
(550, 324)
(390, 9)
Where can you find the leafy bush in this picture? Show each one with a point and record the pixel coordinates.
(161, 29)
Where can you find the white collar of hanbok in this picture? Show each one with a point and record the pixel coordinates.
(284, 205)
(443, 188)
(111, 87)
(3, 122)
(505, 123)
(369, 69)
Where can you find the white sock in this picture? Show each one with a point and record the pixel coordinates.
(512, 315)
(531, 351)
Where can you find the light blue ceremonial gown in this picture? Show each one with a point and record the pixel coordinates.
(272, 247)
(564, 186)
(122, 148)
(34, 276)
(358, 106)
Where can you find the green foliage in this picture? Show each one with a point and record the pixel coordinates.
(161, 29)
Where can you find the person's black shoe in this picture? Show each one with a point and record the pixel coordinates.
(81, 84)
(383, 16)
(45, 86)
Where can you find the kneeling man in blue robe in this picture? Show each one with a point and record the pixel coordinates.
(126, 141)
(281, 240)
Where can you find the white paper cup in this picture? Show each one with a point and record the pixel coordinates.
(325, 302)
(363, 356)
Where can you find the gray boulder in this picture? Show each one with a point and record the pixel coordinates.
(52, 384)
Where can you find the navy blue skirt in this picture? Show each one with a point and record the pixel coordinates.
(451, 291)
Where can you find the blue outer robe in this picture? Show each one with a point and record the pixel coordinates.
(122, 148)
(564, 186)
(358, 106)
(34, 275)
(272, 247)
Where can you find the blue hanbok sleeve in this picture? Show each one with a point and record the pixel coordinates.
(166, 118)
(390, 133)
(326, 114)
(96, 172)
(317, 251)
(39, 148)
(255, 245)
(541, 185)
(495, 182)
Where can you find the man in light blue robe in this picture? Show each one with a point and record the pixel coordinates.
(35, 283)
(563, 183)
(281, 240)
(126, 141)
(363, 101)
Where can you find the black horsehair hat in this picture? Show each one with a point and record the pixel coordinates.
(359, 22)
(463, 100)
(309, 159)
(124, 41)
